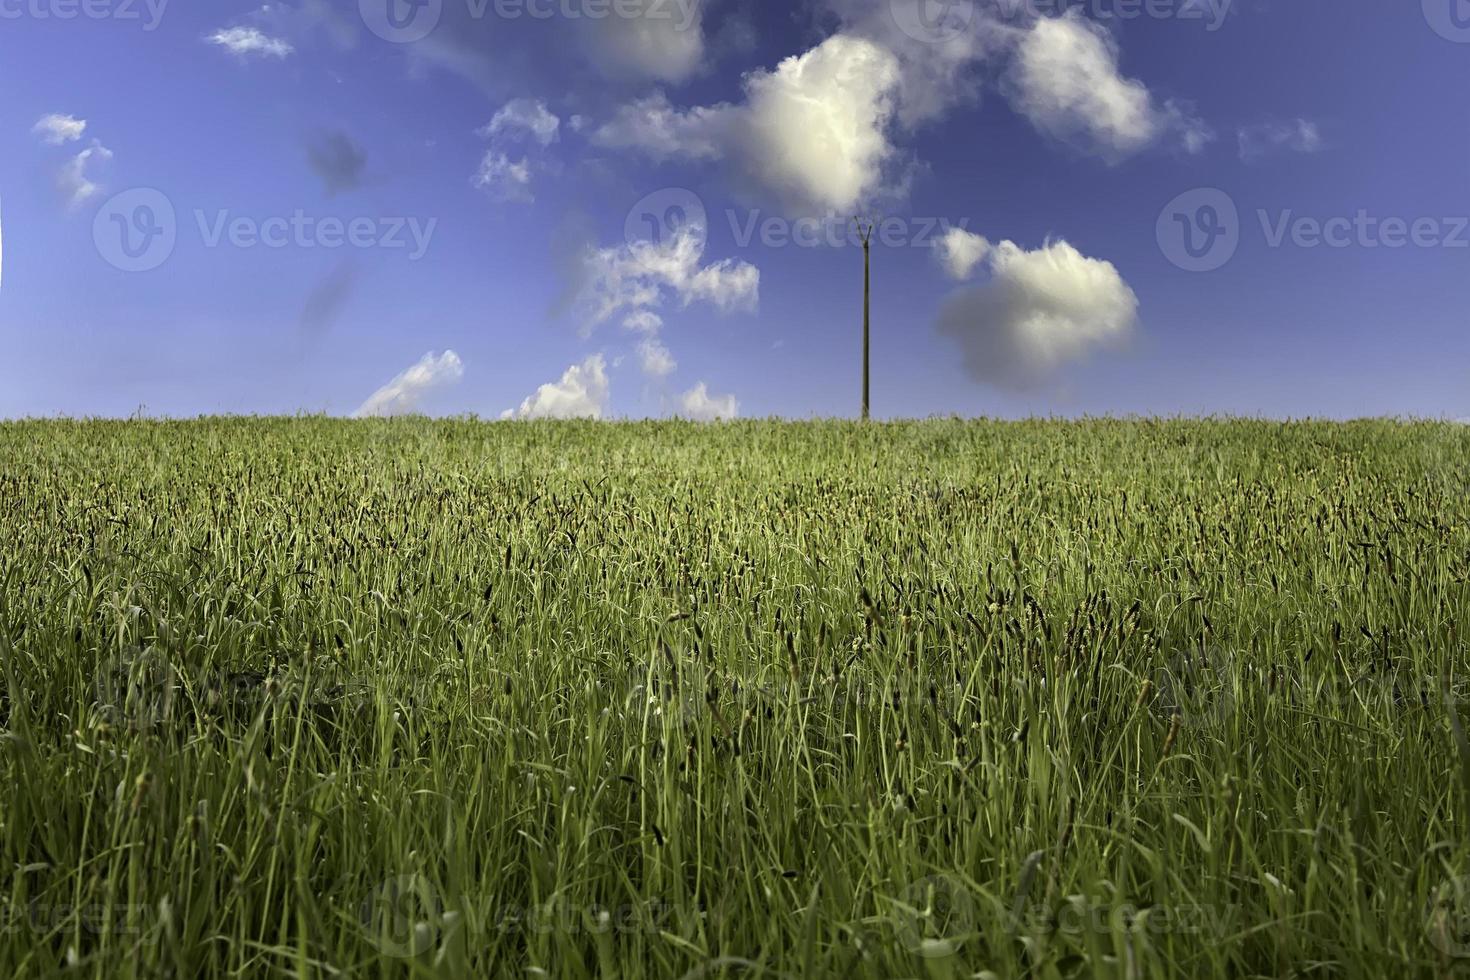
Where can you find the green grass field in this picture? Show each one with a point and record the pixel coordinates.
(313, 698)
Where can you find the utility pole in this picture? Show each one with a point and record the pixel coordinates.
(867, 237)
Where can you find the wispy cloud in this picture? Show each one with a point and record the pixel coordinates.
(403, 394)
(57, 129)
(245, 41)
(505, 179)
(528, 116)
(1263, 139)
(73, 180)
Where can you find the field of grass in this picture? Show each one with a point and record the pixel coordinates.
(312, 698)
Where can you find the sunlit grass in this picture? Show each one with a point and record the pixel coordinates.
(1119, 699)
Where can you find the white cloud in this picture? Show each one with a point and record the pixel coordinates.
(503, 178)
(524, 123)
(1296, 136)
(813, 132)
(1065, 79)
(246, 41)
(636, 276)
(643, 321)
(655, 359)
(1039, 310)
(403, 393)
(698, 404)
(938, 45)
(57, 129)
(817, 125)
(72, 179)
(961, 251)
(582, 392)
(524, 115)
(662, 132)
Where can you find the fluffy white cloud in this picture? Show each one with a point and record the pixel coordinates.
(642, 274)
(503, 178)
(814, 132)
(817, 125)
(1039, 310)
(57, 129)
(698, 404)
(73, 181)
(654, 358)
(961, 251)
(582, 392)
(246, 41)
(524, 116)
(1065, 79)
(403, 393)
(1297, 136)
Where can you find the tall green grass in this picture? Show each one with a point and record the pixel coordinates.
(309, 698)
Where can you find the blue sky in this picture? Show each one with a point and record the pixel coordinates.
(233, 208)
